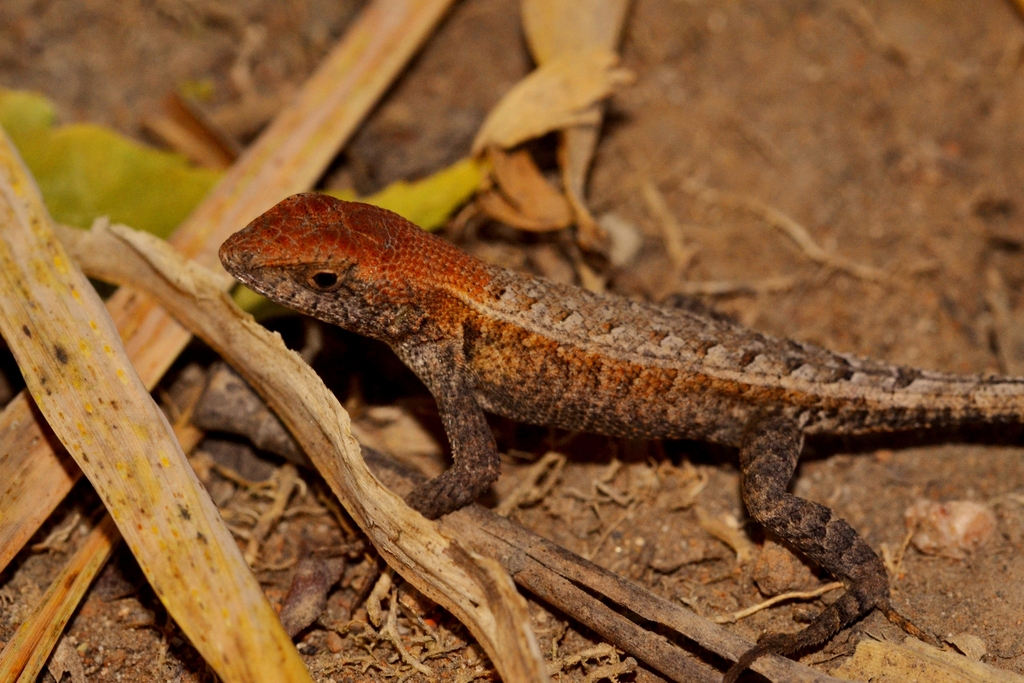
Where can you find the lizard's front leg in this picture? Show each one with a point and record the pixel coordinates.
(475, 463)
(768, 458)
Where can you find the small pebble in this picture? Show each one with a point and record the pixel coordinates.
(334, 642)
(952, 529)
(777, 570)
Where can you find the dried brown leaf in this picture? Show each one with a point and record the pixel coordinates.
(556, 95)
(523, 198)
(555, 27)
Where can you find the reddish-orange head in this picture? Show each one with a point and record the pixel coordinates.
(355, 265)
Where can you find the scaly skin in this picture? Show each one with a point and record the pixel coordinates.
(484, 338)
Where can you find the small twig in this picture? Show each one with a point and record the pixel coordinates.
(794, 595)
(618, 497)
(611, 671)
(597, 652)
(281, 566)
(1005, 323)
(383, 586)
(240, 481)
(626, 514)
(895, 564)
(535, 486)
(873, 36)
(390, 633)
(288, 483)
(573, 585)
(337, 513)
(679, 253)
(726, 533)
(309, 510)
(794, 230)
(615, 666)
(58, 538)
(766, 285)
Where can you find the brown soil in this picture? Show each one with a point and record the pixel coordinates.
(891, 131)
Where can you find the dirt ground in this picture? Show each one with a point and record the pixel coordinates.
(892, 132)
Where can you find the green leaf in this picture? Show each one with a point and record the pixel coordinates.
(85, 171)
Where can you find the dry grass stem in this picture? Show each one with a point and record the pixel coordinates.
(610, 529)
(894, 560)
(766, 285)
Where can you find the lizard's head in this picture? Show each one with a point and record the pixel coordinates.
(358, 266)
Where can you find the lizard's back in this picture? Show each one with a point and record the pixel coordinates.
(550, 353)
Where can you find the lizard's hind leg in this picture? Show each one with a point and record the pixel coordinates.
(768, 459)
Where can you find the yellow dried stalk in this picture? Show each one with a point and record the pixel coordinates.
(25, 655)
(475, 589)
(288, 157)
(74, 366)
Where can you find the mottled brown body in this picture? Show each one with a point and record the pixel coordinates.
(553, 354)
(485, 338)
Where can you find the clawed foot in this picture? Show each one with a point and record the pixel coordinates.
(786, 644)
(453, 489)
(908, 626)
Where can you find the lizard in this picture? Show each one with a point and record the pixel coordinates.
(487, 339)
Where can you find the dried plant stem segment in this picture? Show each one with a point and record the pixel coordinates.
(79, 375)
(288, 157)
(474, 589)
(25, 656)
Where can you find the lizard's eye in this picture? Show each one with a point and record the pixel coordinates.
(324, 280)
